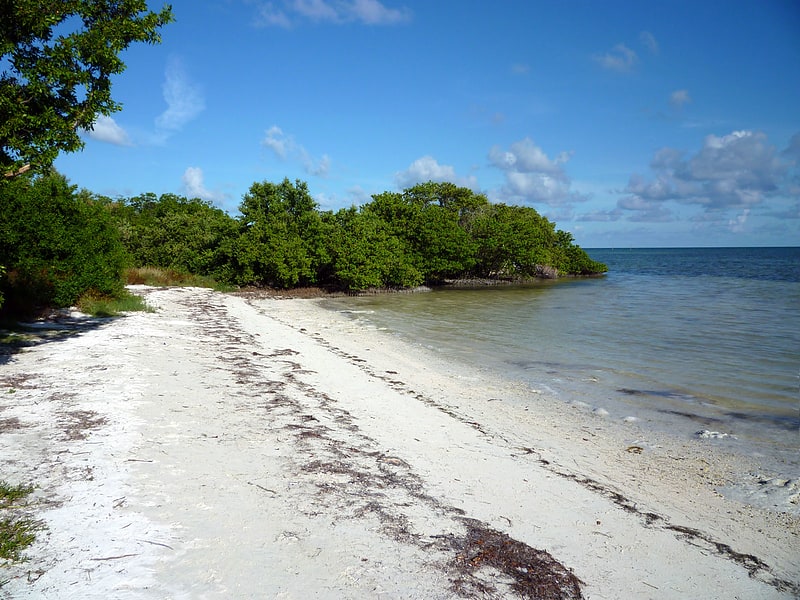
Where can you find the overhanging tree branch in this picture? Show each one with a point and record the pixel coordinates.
(55, 85)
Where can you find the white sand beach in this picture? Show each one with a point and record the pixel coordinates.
(233, 447)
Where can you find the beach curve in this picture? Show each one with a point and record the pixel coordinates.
(232, 446)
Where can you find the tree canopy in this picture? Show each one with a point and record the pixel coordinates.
(58, 60)
(429, 233)
(57, 243)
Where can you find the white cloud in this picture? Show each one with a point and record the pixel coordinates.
(649, 41)
(526, 156)
(286, 148)
(195, 187)
(367, 12)
(358, 195)
(666, 158)
(269, 15)
(316, 10)
(520, 69)
(731, 172)
(105, 129)
(650, 211)
(276, 141)
(372, 12)
(601, 216)
(734, 167)
(536, 187)
(428, 168)
(184, 99)
(533, 177)
(737, 224)
(679, 98)
(319, 168)
(792, 151)
(620, 58)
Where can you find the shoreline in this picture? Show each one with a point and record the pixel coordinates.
(227, 437)
(766, 435)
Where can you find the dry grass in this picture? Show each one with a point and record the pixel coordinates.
(158, 277)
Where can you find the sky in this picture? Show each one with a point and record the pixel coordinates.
(628, 124)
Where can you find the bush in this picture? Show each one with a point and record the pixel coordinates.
(173, 232)
(282, 237)
(365, 254)
(55, 245)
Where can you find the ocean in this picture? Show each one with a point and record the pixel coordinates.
(683, 339)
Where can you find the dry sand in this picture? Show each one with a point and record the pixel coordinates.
(231, 447)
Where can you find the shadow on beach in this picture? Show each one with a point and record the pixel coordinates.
(15, 337)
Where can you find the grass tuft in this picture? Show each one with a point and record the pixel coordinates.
(11, 493)
(104, 306)
(16, 532)
(158, 277)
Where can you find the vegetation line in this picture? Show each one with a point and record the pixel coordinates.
(61, 247)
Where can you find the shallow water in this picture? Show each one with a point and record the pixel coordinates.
(686, 339)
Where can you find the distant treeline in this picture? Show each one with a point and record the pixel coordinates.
(57, 243)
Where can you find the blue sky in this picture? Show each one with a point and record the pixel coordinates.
(629, 124)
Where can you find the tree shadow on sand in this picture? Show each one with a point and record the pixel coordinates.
(16, 337)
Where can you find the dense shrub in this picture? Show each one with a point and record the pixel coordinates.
(174, 232)
(428, 226)
(55, 245)
(364, 253)
(282, 241)
(429, 233)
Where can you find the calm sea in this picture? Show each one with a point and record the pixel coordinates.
(687, 339)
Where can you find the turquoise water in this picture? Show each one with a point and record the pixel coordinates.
(689, 339)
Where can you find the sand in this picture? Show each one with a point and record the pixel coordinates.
(233, 447)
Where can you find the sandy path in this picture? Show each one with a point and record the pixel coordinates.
(226, 448)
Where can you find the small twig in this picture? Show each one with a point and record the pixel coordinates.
(138, 460)
(648, 585)
(114, 557)
(261, 487)
(157, 544)
(603, 534)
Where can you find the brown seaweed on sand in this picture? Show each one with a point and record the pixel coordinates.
(534, 573)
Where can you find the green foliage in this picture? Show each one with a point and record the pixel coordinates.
(572, 259)
(158, 277)
(175, 233)
(432, 222)
(60, 245)
(55, 244)
(103, 306)
(9, 494)
(283, 237)
(428, 233)
(16, 532)
(58, 59)
(513, 241)
(364, 253)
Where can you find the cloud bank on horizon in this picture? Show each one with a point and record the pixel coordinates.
(611, 120)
